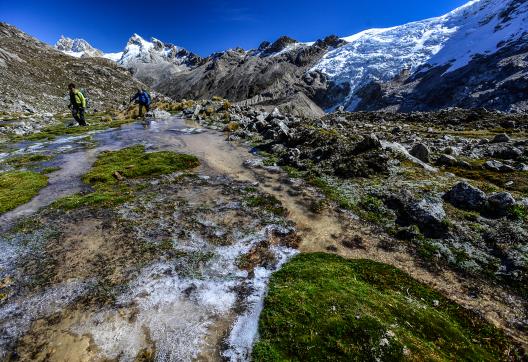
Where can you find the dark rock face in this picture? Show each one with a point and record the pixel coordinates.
(278, 45)
(465, 196)
(497, 81)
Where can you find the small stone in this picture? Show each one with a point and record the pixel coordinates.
(118, 176)
(332, 248)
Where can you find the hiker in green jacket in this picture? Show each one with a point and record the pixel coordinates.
(77, 104)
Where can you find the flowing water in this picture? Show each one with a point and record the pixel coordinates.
(187, 317)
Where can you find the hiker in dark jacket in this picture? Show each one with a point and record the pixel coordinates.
(77, 104)
(143, 99)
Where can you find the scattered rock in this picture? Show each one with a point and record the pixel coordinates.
(117, 175)
(501, 138)
(508, 124)
(446, 160)
(498, 166)
(369, 142)
(500, 203)
(421, 152)
(465, 196)
(356, 242)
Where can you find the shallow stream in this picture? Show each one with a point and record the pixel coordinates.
(199, 315)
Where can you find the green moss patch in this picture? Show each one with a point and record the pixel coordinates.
(324, 307)
(19, 187)
(519, 178)
(54, 131)
(24, 160)
(267, 202)
(112, 168)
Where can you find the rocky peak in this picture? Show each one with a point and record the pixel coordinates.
(280, 44)
(76, 47)
(331, 41)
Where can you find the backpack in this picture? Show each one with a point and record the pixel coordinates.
(144, 98)
(83, 92)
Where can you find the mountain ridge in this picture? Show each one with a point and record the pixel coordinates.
(342, 72)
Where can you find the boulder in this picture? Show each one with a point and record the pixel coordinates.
(498, 166)
(508, 124)
(369, 142)
(504, 152)
(446, 160)
(421, 152)
(500, 203)
(429, 215)
(465, 196)
(501, 138)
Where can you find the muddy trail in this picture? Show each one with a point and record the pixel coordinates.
(179, 272)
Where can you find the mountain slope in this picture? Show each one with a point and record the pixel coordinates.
(276, 74)
(479, 27)
(34, 76)
(498, 81)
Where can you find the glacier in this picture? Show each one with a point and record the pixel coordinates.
(478, 27)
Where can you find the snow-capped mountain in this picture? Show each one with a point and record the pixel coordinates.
(77, 47)
(138, 50)
(148, 60)
(478, 27)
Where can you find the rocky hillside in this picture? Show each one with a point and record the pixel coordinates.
(34, 76)
(274, 74)
(471, 57)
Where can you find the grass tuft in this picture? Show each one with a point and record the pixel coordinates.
(324, 307)
(19, 187)
(112, 168)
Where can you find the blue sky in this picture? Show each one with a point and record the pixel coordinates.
(205, 26)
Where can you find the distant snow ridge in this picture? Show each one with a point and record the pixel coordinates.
(77, 47)
(477, 27)
(138, 50)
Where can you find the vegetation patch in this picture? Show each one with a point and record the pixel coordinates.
(57, 130)
(331, 192)
(519, 179)
(19, 187)
(24, 160)
(112, 168)
(269, 203)
(324, 307)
